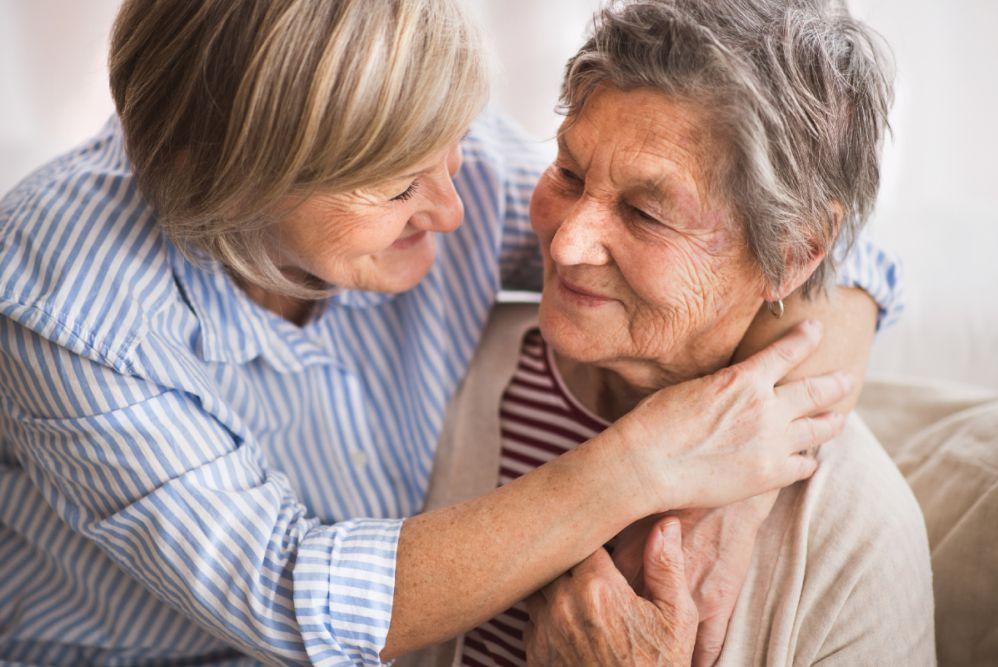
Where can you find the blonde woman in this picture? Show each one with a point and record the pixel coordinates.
(230, 325)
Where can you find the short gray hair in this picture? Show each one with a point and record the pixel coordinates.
(798, 91)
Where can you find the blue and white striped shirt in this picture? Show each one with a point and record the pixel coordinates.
(185, 476)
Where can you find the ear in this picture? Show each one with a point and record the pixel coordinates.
(803, 263)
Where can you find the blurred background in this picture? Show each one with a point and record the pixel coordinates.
(938, 207)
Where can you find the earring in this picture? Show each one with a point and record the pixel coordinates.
(776, 308)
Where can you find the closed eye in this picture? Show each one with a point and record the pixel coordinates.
(408, 193)
(568, 175)
(642, 215)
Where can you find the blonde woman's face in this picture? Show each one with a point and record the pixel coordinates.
(380, 239)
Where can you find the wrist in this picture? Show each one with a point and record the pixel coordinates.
(639, 487)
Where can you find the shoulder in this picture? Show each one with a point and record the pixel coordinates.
(496, 356)
(496, 139)
(859, 538)
(859, 493)
(82, 260)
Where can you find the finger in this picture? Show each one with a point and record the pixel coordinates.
(809, 432)
(556, 587)
(799, 466)
(598, 564)
(592, 579)
(665, 568)
(776, 360)
(710, 641)
(815, 394)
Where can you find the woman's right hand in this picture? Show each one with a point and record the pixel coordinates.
(734, 434)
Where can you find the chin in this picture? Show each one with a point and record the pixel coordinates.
(404, 281)
(416, 268)
(580, 341)
(399, 272)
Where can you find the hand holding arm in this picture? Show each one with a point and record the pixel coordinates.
(592, 616)
(718, 543)
(717, 550)
(849, 317)
(456, 566)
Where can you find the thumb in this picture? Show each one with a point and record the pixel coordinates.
(665, 576)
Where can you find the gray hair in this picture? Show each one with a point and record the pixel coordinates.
(798, 90)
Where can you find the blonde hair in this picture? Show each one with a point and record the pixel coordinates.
(228, 106)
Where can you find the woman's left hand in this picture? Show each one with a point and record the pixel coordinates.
(592, 616)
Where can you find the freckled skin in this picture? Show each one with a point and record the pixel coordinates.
(685, 285)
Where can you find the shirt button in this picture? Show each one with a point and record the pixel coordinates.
(358, 457)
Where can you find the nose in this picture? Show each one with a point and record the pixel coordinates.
(447, 210)
(580, 237)
(450, 213)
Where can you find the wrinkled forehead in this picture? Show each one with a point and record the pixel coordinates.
(640, 140)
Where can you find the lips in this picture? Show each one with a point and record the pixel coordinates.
(408, 241)
(581, 292)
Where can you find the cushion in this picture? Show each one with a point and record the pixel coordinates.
(944, 439)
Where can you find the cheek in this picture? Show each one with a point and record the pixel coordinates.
(547, 208)
(666, 274)
(326, 244)
(684, 290)
(356, 238)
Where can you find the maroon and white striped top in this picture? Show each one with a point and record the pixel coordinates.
(539, 420)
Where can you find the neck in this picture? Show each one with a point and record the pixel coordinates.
(292, 309)
(614, 389)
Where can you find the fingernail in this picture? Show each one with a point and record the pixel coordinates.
(671, 530)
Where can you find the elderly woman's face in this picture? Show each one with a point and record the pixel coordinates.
(642, 262)
(379, 239)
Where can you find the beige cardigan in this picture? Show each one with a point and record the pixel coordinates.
(840, 573)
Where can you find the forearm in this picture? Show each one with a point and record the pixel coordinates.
(461, 565)
(849, 317)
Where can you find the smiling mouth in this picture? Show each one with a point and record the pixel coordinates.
(580, 295)
(408, 241)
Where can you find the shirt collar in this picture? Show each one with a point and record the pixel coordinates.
(235, 329)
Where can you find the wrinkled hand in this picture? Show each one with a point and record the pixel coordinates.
(732, 435)
(717, 550)
(592, 616)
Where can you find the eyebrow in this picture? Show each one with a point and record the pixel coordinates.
(653, 187)
(414, 174)
(661, 189)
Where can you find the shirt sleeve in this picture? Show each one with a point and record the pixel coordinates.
(877, 272)
(192, 510)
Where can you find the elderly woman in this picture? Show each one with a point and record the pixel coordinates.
(230, 325)
(711, 154)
